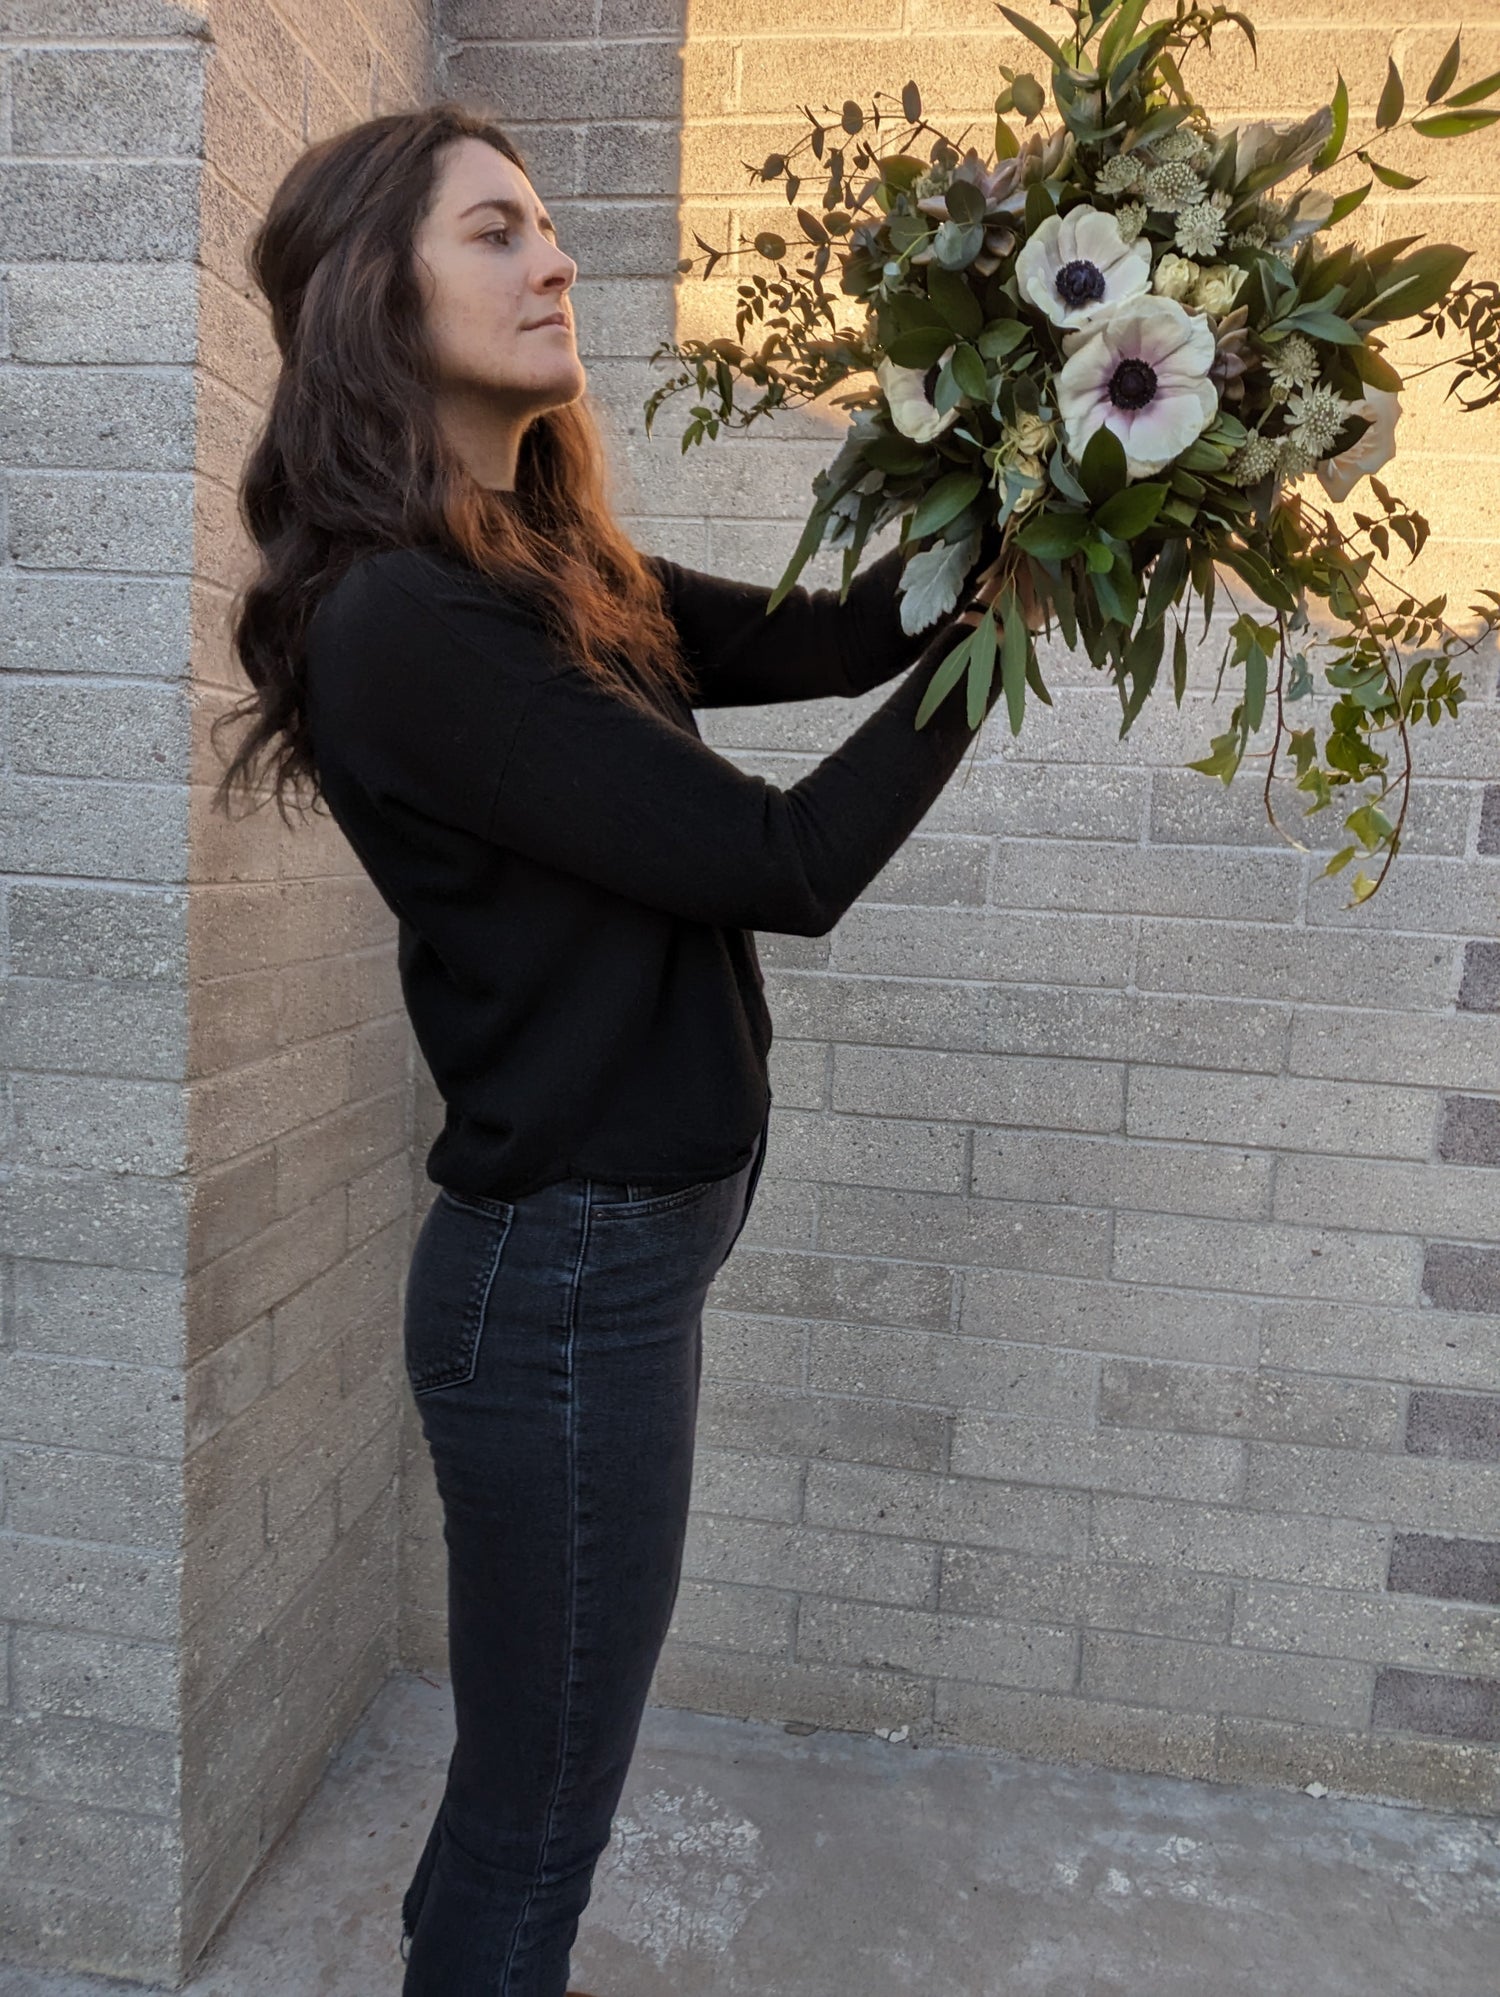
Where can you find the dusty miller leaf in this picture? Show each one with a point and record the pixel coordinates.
(932, 580)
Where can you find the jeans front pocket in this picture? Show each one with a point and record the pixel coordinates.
(453, 1267)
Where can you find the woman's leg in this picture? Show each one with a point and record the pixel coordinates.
(554, 1346)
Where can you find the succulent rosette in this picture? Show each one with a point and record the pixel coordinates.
(1117, 357)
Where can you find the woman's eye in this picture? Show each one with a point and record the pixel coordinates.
(503, 234)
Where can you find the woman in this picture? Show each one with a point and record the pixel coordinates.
(456, 650)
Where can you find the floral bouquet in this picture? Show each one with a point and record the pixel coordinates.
(1113, 351)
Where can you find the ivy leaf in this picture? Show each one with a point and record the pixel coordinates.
(1445, 72)
(1392, 98)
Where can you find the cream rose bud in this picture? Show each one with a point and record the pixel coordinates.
(1175, 277)
(1339, 476)
(1216, 287)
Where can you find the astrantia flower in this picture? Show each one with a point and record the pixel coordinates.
(1144, 374)
(1120, 175)
(1130, 219)
(1200, 230)
(1339, 475)
(912, 409)
(1293, 362)
(1314, 417)
(1294, 459)
(1077, 268)
(1173, 185)
(1181, 144)
(1254, 458)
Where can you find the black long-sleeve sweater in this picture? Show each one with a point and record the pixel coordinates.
(576, 882)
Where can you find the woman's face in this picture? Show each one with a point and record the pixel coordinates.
(491, 272)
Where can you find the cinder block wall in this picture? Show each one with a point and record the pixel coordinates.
(206, 1188)
(1111, 1368)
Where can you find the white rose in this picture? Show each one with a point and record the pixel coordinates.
(1174, 277)
(1215, 289)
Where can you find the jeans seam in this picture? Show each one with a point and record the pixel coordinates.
(572, 1460)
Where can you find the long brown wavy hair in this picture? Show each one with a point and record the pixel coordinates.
(351, 458)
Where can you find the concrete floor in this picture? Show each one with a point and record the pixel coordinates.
(750, 1862)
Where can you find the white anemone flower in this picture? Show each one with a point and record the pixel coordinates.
(912, 409)
(1078, 268)
(1338, 476)
(1144, 374)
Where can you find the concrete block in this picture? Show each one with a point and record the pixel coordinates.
(92, 1028)
(1369, 1628)
(1066, 1728)
(146, 102)
(973, 1649)
(1458, 1278)
(705, 1680)
(1143, 880)
(1029, 1451)
(1429, 1702)
(1276, 1407)
(993, 1233)
(1424, 1199)
(1266, 1258)
(952, 1372)
(235, 1288)
(967, 1087)
(132, 1316)
(78, 729)
(1453, 1569)
(1447, 897)
(81, 1494)
(758, 1620)
(1023, 949)
(143, 211)
(847, 1287)
(1431, 1493)
(111, 520)
(1356, 1762)
(87, 1123)
(1469, 1133)
(735, 1416)
(231, 1205)
(868, 1151)
(1105, 1172)
(1281, 1113)
(1327, 1551)
(70, 1403)
(99, 1219)
(822, 1005)
(59, 312)
(1458, 1425)
(1480, 987)
(798, 1072)
(932, 870)
(1116, 1026)
(861, 1497)
(1280, 963)
(1027, 1588)
(854, 1566)
(1454, 1051)
(1489, 820)
(1109, 1317)
(737, 1346)
(136, 832)
(1219, 1678)
(1187, 809)
(96, 1678)
(138, 934)
(745, 1485)
(120, 418)
(1446, 1349)
(243, 1108)
(125, 1591)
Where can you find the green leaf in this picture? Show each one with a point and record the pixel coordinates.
(1335, 141)
(1392, 98)
(944, 502)
(1371, 367)
(1039, 205)
(811, 539)
(1029, 95)
(1001, 337)
(1102, 467)
(1453, 124)
(1255, 687)
(1475, 93)
(952, 294)
(1340, 860)
(969, 373)
(981, 665)
(1324, 326)
(911, 103)
(965, 202)
(1067, 614)
(944, 678)
(921, 347)
(1179, 665)
(1417, 281)
(1053, 536)
(1389, 177)
(1128, 513)
(1035, 34)
(1445, 72)
(1167, 573)
(1347, 203)
(769, 244)
(1013, 659)
(852, 117)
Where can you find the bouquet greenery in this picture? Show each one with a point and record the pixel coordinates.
(1123, 341)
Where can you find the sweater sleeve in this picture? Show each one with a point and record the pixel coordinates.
(809, 647)
(581, 780)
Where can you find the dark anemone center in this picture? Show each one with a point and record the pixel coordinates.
(930, 380)
(1132, 384)
(1080, 282)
